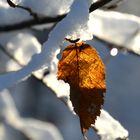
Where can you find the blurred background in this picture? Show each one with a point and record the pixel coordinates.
(122, 99)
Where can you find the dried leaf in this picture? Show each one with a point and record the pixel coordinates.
(83, 69)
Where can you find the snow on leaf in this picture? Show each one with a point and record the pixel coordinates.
(120, 29)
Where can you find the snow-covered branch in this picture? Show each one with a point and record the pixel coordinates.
(39, 20)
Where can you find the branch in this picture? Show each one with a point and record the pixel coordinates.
(29, 10)
(3, 49)
(30, 23)
(114, 5)
(44, 20)
(98, 4)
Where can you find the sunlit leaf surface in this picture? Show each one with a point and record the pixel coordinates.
(83, 69)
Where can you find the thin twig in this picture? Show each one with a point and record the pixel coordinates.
(30, 23)
(98, 4)
(10, 56)
(115, 5)
(29, 10)
(44, 20)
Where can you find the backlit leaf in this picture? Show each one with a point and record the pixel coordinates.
(83, 69)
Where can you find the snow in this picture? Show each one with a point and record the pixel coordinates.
(120, 29)
(8, 13)
(71, 25)
(103, 24)
(59, 87)
(32, 128)
(108, 128)
(48, 7)
(41, 7)
(16, 2)
(21, 46)
(28, 45)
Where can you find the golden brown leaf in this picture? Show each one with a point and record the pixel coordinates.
(84, 70)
